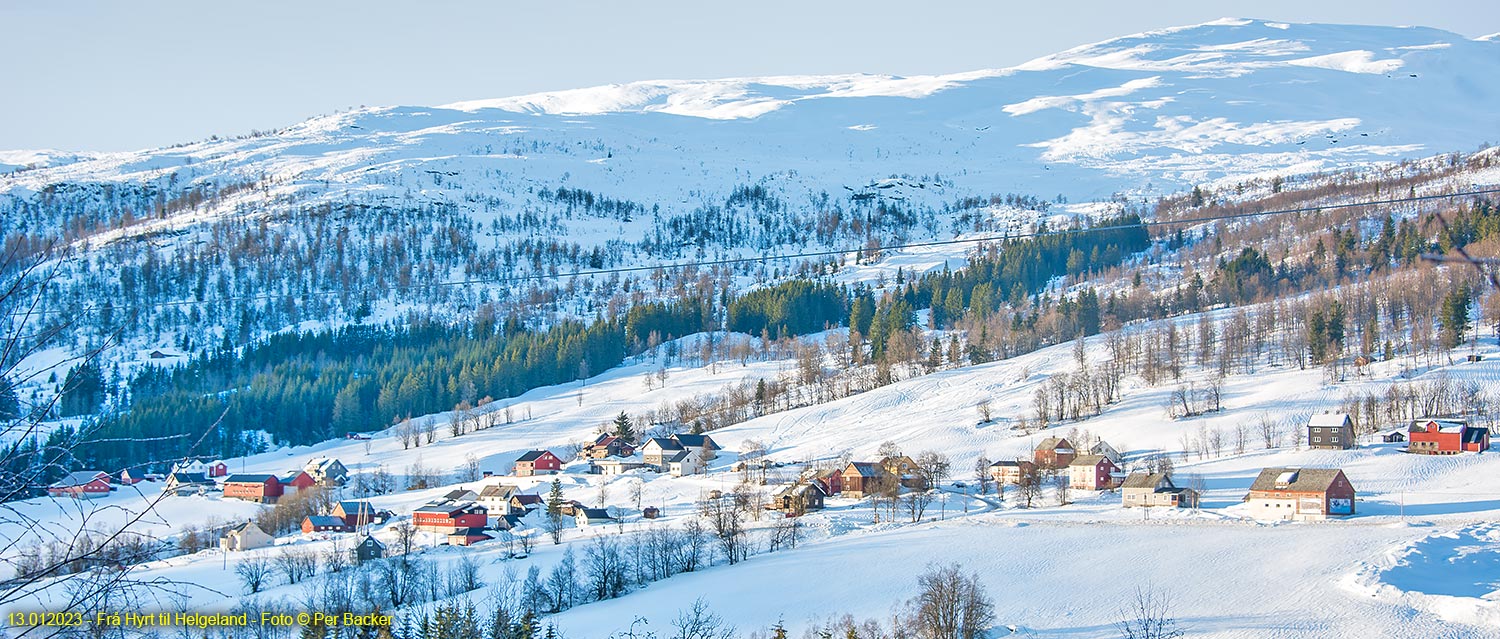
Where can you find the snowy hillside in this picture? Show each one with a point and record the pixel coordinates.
(1414, 560)
(509, 194)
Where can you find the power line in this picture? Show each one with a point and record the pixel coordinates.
(513, 279)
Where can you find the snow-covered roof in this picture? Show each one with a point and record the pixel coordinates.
(1335, 420)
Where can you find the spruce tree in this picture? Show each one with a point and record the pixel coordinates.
(10, 405)
(623, 428)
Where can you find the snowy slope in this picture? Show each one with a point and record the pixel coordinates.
(1417, 558)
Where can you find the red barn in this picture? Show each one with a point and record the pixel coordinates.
(83, 484)
(216, 469)
(449, 518)
(264, 489)
(1446, 437)
(537, 461)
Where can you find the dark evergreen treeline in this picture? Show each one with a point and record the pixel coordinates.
(1008, 272)
(308, 387)
(797, 307)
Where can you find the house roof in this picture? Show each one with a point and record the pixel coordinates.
(604, 440)
(524, 499)
(242, 478)
(244, 528)
(459, 494)
(356, 507)
(1054, 443)
(1335, 420)
(188, 478)
(532, 456)
(1088, 460)
(367, 539)
(1475, 434)
(1444, 425)
(503, 491)
(695, 441)
(325, 520)
(1145, 480)
(680, 455)
(665, 443)
(1303, 480)
(451, 508)
(79, 478)
(595, 513)
(865, 469)
(1014, 463)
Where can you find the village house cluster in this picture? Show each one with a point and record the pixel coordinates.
(464, 517)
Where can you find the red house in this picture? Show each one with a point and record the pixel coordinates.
(264, 489)
(1092, 472)
(448, 518)
(830, 480)
(300, 480)
(1446, 437)
(216, 469)
(537, 461)
(1054, 452)
(324, 523)
(83, 484)
(608, 446)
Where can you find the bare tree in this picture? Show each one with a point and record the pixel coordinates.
(470, 470)
(698, 622)
(951, 605)
(724, 518)
(982, 474)
(915, 503)
(606, 568)
(985, 411)
(253, 572)
(1270, 431)
(296, 564)
(636, 487)
(1148, 616)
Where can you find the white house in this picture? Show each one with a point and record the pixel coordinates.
(246, 537)
(496, 497)
(585, 517)
(686, 462)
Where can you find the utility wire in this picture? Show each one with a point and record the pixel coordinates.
(811, 254)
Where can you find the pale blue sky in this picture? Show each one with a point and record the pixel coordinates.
(103, 75)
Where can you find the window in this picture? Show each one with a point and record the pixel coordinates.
(1317, 440)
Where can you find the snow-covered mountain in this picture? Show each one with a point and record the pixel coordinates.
(668, 170)
(1174, 106)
